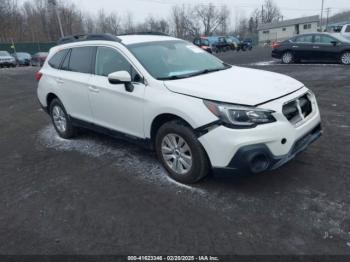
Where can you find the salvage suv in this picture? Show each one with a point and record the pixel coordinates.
(197, 112)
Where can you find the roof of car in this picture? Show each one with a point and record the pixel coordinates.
(137, 39)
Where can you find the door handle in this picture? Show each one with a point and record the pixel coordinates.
(316, 47)
(94, 89)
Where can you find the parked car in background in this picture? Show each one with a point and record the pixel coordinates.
(39, 59)
(315, 47)
(219, 44)
(22, 59)
(345, 31)
(203, 43)
(236, 41)
(6, 60)
(247, 44)
(233, 44)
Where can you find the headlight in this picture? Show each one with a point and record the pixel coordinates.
(240, 116)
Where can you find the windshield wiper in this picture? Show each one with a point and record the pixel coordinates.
(202, 72)
(207, 71)
(170, 78)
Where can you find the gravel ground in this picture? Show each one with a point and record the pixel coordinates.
(96, 195)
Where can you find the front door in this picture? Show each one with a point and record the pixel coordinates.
(112, 105)
(325, 47)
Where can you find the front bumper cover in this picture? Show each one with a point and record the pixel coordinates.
(258, 158)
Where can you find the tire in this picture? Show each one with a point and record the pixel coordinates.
(288, 58)
(185, 160)
(61, 120)
(345, 58)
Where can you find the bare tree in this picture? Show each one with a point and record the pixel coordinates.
(129, 24)
(184, 22)
(212, 17)
(269, 12)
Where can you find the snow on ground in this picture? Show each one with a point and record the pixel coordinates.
(122, 154)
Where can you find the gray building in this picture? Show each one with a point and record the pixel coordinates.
(283, 30)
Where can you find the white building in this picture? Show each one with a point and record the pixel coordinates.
(283, 30)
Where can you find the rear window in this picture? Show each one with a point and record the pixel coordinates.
(304, 39)
(56, 60)
(81, 59)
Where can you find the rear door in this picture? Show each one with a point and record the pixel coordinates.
(74, 80)
(302, 47)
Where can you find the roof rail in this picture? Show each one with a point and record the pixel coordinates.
(146, 33)
(87, 37)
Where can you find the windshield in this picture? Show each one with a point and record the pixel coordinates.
(341, 38)
(168, 60)
(234, 39)
(205, 42)
(4, 53)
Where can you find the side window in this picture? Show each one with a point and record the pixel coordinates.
(347, 30)
(305, 39)
(56, 60)
(81, 59)
(323, 39)
(65, 64)
(197, 42)
(109, 60)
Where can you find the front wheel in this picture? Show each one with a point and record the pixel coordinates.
(287, 58)
(180, 152)
(345, 58)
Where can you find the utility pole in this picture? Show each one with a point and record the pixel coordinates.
(54, 4)
(321, 22)
(328, 12)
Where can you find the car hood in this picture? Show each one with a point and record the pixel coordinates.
(236, 85)
(6, 57)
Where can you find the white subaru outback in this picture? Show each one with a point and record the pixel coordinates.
(198, 113)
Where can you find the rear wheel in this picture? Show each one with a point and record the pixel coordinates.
(181, 153)
(345, 58)
(61, 120)
(287, 58)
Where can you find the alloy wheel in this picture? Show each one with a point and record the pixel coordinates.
(59, 119)
(176, 154)
(287, 58)
(346, 58)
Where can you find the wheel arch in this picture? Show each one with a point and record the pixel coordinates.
(50, 97)
(160, 120)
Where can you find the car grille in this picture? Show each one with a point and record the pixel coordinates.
(297, 110)
(5, 60)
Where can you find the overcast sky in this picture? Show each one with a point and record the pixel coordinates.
(143, 8)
